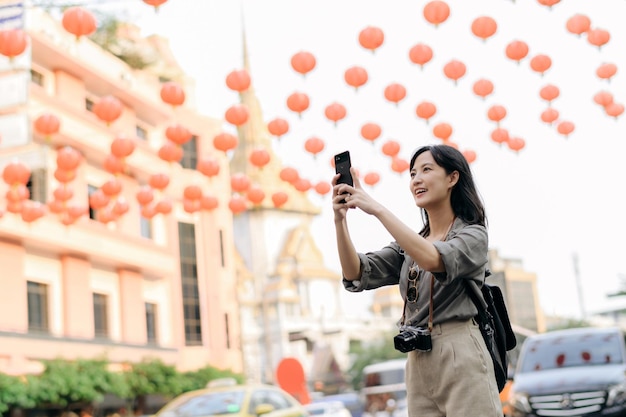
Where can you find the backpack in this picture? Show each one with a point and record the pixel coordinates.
(493, 320)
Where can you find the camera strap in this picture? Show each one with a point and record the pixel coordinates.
(432, 288)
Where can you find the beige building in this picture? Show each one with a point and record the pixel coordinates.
(128, 285)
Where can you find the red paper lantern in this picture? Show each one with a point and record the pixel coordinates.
(239, 182)
(565, 128)
(454, 70)
(484, 27)
(17, 193)
(298, 102)
(159, 181)
(259, 157)
(47, 124)
(420, 54)
(78, 21)
(516, 144)
(172, 93)
(238, 80)
(335, 112)
(606, 71)
(178, 134)
(120, 207)
(303, 62)
(314, 145)
(517, 50)
(237, 114)
(548, 3)
(303, 185)
(603, 98)
(148, 212)
(209, 202)
(113, 165)
(391, 148)
(112, 187)
(598, 37)
(614, 110)
(279, 198)
(549, 115)
(442, 131)
(371, 131)
(425, 110)
(322, 188)
(500, 135)
(208, 166)
(371, 178)
(64, 176)
(278, 127)
(371, 38)
(237, 204)
(399, 165)
(145, 195)
(540, 63)
(98, 200)
(578, 24)
(496, 113)
(356, 76)
(255, 194)
(155, 3)
(170, 152)
(483, 88)
(395, 93)
(122, 147)
(549, 92)
(108, 109)
(15, 173)
(63, 193)
(436, 12)
(163, 207)
(289, 175)
(225, 142)
(470, 155)
(68, 158)
(13, 42)
(192, 206)
(192, 192)
(32, 211)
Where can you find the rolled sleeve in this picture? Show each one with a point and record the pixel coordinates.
(464, 254)
(378, 268)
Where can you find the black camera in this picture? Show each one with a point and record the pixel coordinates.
(413, 338)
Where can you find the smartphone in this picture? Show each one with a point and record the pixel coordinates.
(342, 167)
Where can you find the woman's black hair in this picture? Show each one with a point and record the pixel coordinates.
(466, 202)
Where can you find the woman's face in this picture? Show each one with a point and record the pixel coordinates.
(430, 184)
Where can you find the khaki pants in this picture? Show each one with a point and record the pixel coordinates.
(454, 379)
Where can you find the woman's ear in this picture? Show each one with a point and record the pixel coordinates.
(454, 178)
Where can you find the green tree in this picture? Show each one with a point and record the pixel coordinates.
(199, 378)
(152, 376)
(14, 393)
(64, 383)
(374, 353)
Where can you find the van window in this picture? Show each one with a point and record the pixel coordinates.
(572, 350)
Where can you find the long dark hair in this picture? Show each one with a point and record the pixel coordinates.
(465, 199)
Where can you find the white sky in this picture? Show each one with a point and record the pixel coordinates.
(557, 197)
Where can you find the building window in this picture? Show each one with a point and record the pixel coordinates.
(227, 327)
(145, 227)
(100, 315)
(189, 278)
(36, 77)
(37, 307)
(90, 190)
(141, 133)
(89, 104)
(37, 185)
(222, 248)
(151, 322)
(190, 153)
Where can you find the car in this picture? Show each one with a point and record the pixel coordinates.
(572, 372)
(351, 400)
(227, 397)
(327, 409)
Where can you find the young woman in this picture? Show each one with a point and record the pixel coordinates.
(449, 372)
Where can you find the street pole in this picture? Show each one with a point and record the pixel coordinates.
(581, 302)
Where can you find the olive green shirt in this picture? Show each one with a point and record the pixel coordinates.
(464, 255)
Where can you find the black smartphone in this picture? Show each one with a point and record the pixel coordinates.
(342, 167)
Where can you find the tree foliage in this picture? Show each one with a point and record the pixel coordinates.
(374, 353)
